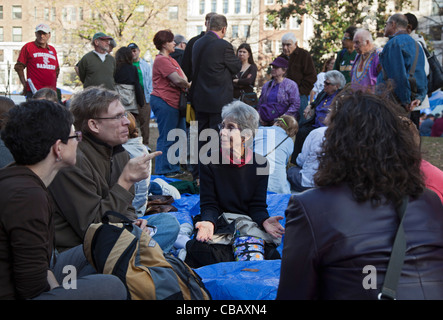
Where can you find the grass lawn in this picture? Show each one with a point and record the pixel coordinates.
(432, 150)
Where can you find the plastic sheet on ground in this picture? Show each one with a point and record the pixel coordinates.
(243, 280)
(246, 280)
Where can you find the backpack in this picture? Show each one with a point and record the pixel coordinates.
(124, 250)
(269, 111)
(435, 77)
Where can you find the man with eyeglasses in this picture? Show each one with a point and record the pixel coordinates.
(103, 177)
(345, 57)
(97, 67)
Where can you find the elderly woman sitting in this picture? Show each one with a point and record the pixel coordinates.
(233, 198)
(317, 111)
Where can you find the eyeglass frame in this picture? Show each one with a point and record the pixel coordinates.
(78, 136)
(221, 126)
(117, 117)
(282, 120)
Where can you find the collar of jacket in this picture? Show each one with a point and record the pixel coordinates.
(398, 33)
(102, 147)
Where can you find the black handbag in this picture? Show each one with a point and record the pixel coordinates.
(250, 98)
(395, 265)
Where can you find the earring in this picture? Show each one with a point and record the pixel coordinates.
(59, 158)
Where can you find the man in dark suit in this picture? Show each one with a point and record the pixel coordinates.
(213, 63)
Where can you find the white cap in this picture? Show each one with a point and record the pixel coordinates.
(43, 27)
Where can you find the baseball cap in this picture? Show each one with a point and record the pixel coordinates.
(100, 35)
(132, 46)
(43, 27)
(280, 62)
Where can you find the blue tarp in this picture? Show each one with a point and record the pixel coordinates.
(246, 280)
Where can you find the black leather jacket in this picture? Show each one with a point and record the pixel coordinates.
(330, 238)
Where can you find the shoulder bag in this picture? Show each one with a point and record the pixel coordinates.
(393, 272)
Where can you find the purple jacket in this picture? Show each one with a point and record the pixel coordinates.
(288, 94)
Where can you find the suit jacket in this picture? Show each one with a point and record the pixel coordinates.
(330, 239)
(212, 87)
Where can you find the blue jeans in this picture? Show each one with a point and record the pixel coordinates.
(167, 229)
(168, 118)
(303, 104)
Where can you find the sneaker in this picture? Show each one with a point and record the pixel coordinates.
(167, 189)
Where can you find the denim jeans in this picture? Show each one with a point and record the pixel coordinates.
(167, 229)
(303, 104)
(88, 284)
(168, 118)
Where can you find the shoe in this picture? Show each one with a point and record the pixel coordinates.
(167, 189)
(175, 174)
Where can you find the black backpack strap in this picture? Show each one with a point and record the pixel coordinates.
(393, 272)
(105, 218)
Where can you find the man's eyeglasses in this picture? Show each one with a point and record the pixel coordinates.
(346, 38)
(78, 136)
(282, 120)
(117, 117)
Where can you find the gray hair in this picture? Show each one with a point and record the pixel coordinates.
(217, 22)
(336, 78)
(289, 36)
(245, 116)
(365, 34)
(400, 19)
(179, 39)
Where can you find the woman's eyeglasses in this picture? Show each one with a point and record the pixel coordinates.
(229, 126)
(78, 136)
(327, 83)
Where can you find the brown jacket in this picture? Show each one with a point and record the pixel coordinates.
(302, 70)
(26, 234)
(85, 192)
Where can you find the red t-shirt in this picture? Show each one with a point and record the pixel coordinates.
(41, 64)
(433, 178)
(164, 66)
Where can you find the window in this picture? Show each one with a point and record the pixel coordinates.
(73, 14)
(202, 6)
(293, 23)
(213, 5)
(234, 32)
(1, 12)
(269, 2)
(267, 46)
(248, 6)
(2, 38)
(46, 14)
(80, 13)
(237, 6)
(173, 13)
(16, 12)
(53, 14)
(435, 32)
(2, 55)
(16, 34)
(225, 6)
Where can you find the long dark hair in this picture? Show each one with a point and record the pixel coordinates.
(369, 147)
(247, 47)
(123, 56)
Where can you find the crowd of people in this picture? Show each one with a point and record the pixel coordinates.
(345, 142)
